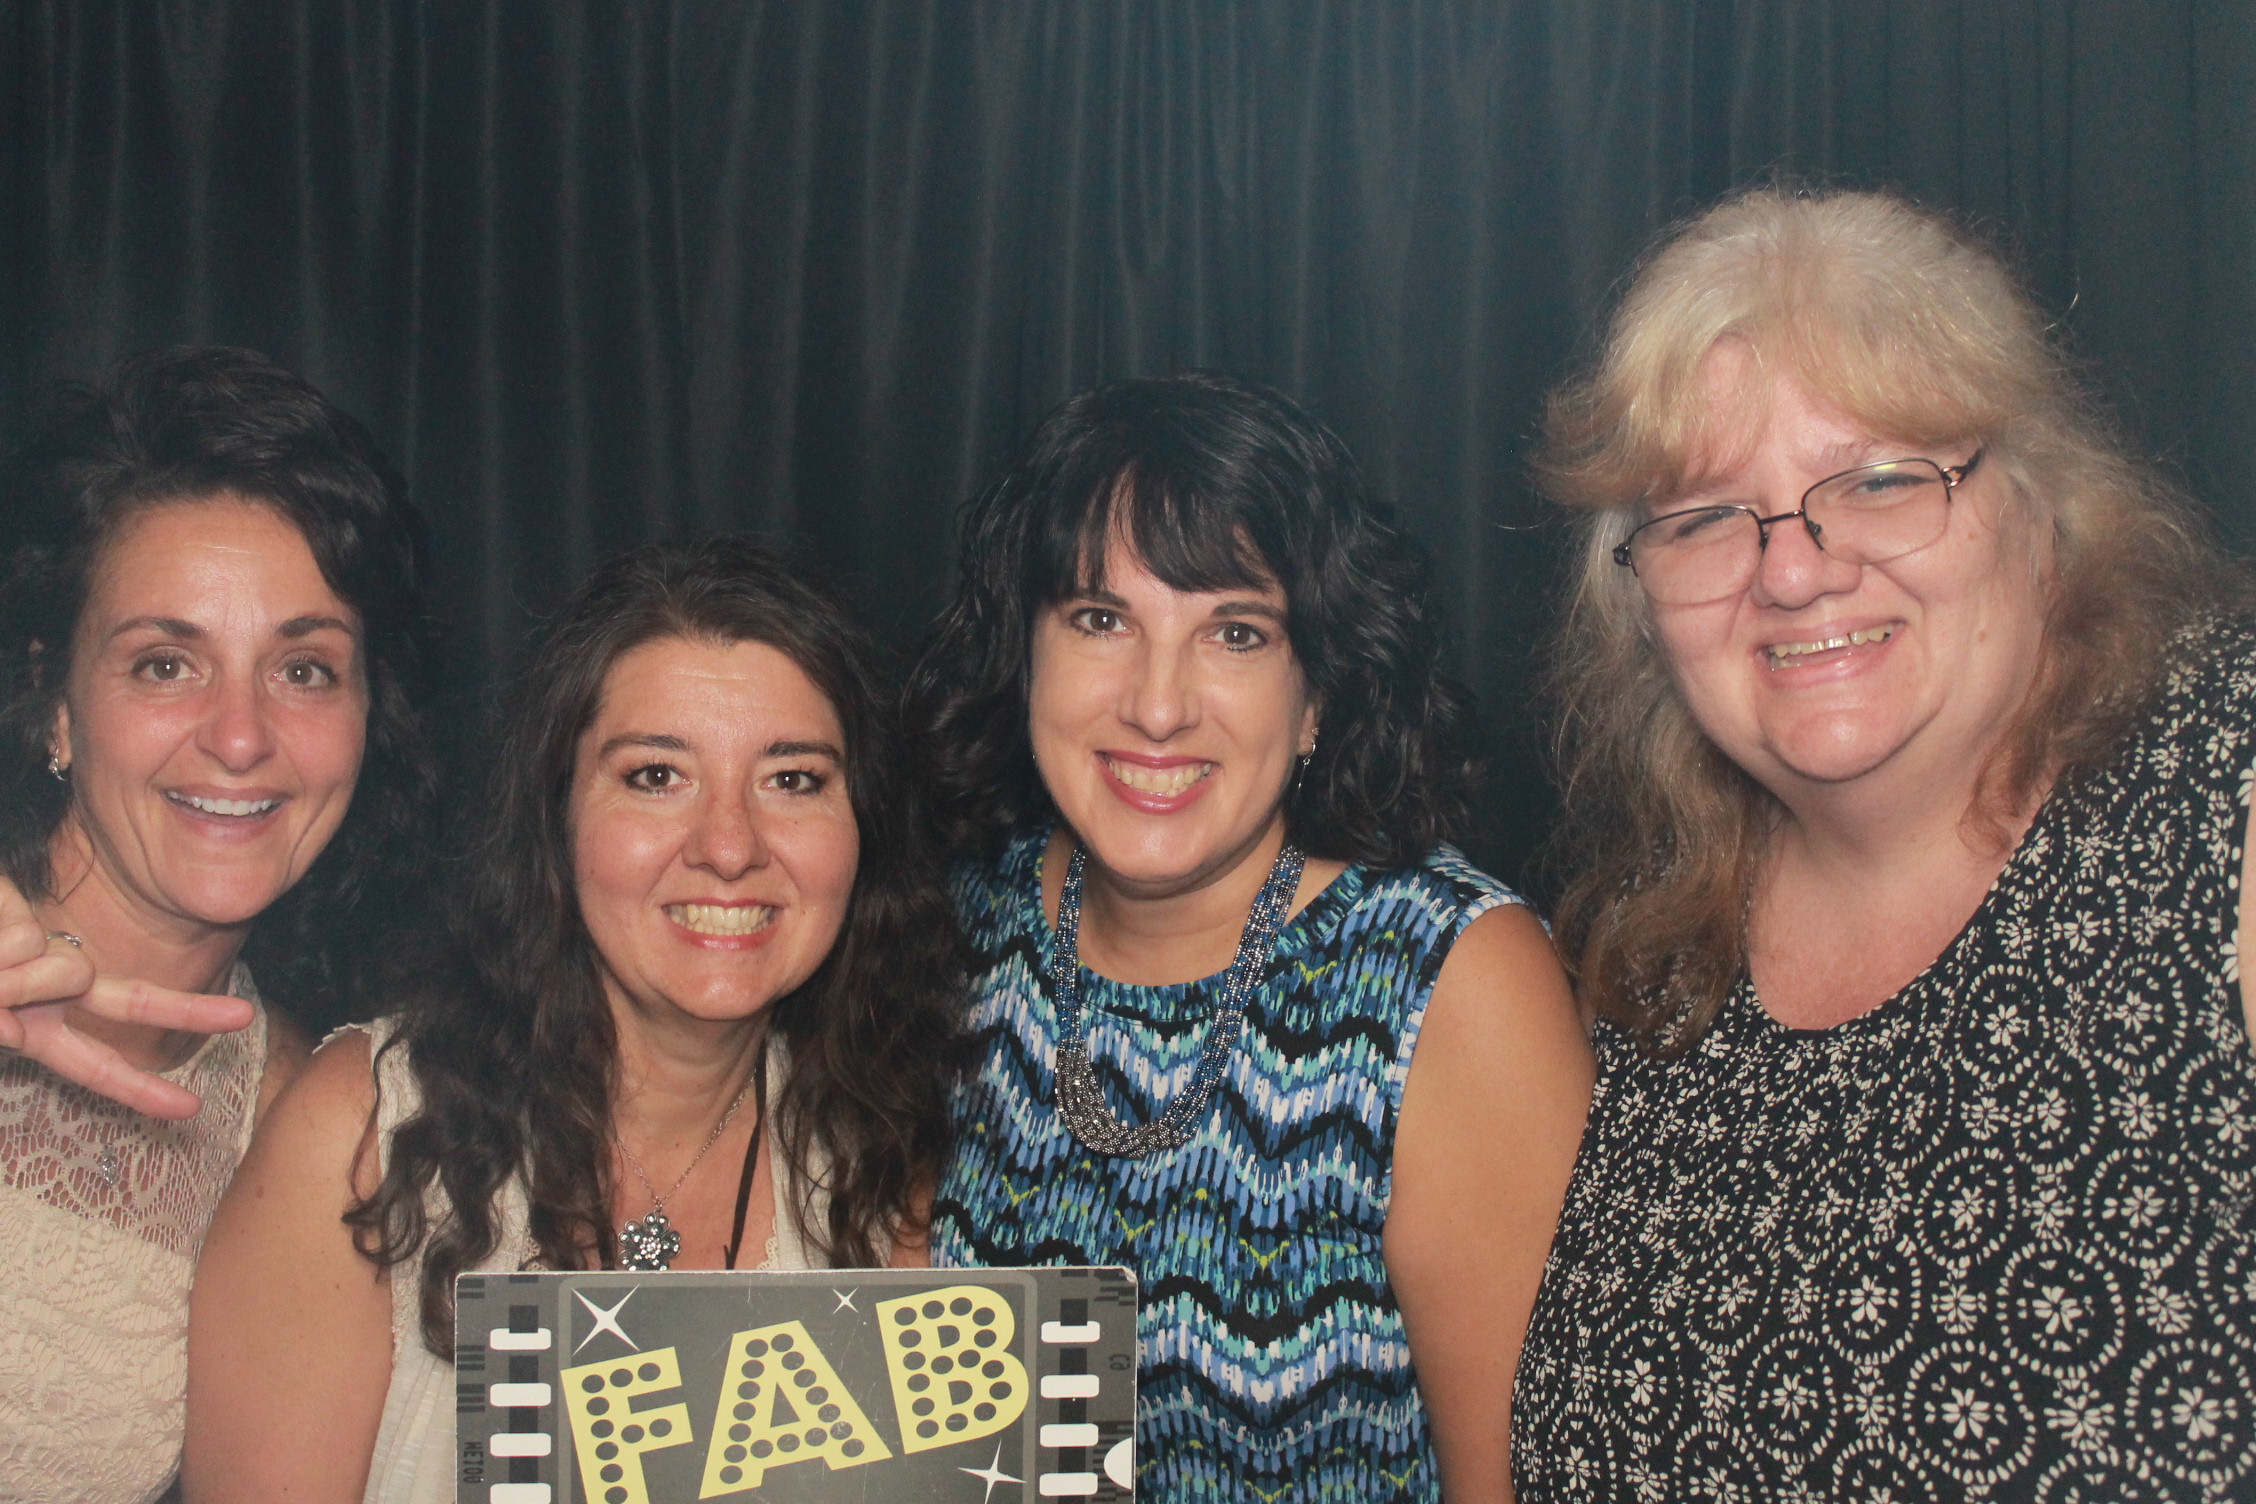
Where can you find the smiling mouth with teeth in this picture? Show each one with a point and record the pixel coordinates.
(722, 919)
(1160, 781)
(232, 808)
(1787, 654)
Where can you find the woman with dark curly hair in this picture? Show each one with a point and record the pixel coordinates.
(211, 767)
(1248, 1026)
(687, 1025)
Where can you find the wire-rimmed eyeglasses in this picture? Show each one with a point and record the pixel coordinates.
(1868, 515)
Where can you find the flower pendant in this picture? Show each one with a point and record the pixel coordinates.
(650, 1243)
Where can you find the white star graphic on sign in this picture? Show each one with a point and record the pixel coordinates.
(606, 1321)
(846, 1302)
(990, 1474)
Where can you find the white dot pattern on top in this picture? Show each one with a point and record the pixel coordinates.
(1991, 1240)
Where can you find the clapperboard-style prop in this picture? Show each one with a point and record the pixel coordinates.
(970, 1386)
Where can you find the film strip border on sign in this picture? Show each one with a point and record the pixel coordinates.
(1084, 1457)
(509, 1375)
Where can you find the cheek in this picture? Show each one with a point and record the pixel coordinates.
(825, 857)
(615, 858)
(329, 747)
(113, 739)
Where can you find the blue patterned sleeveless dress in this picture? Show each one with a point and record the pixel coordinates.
(1273, 1363)
(1992, 1240)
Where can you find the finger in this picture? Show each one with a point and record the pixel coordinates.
(22, 937)
(136, 1002)
(99, 1068)
(61, 973)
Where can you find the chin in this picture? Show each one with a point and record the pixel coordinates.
(1836, 760)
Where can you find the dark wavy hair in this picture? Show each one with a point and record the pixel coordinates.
(513, 1045)
(189, 424)
(1220, 484)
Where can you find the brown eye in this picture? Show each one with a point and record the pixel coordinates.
(655, 778)
(1239, 637)
(308, 673)
(1098, 621)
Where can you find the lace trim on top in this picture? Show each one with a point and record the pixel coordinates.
(94, 1158)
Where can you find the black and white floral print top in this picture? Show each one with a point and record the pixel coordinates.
(1992, 1240)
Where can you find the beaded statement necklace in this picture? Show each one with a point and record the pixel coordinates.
(1080, 1099)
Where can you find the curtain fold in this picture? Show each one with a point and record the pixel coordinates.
(601, 272)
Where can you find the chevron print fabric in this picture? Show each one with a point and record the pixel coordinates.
(1273, 1363)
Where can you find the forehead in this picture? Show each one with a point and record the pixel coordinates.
(224, 554)
(1750, 414)
(714, 694)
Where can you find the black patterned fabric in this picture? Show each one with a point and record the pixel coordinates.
(1991, 1240)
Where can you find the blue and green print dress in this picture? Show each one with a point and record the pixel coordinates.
(1273, 1364)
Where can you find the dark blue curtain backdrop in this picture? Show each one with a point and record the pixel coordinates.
(596, 272)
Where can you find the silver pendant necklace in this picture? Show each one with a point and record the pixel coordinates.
(649, 1242)
(1080, 1098)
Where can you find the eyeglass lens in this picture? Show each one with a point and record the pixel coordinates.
(1865, 516)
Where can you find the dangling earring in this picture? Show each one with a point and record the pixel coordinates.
(1301, 771)
(56, 768)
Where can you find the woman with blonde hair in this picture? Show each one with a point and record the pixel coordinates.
(1908, 735)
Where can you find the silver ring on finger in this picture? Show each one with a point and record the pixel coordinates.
(65, 935)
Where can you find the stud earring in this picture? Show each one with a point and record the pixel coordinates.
(57, 768)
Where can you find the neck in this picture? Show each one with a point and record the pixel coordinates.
(1153, 937)
(677, 1074)
(1900, 818)
(125, 937)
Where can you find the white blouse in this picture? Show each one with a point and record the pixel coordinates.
(414, 1458)
(106, 1210)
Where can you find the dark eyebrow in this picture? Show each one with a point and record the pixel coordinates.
(171, 626)
(656, 741)
(306, 626)
(1096, 597)
(1227, 608)
(661, 742)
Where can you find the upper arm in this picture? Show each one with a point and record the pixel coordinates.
(1492, 1116)
(289, 1327)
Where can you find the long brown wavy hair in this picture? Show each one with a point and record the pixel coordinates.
(510, 1039)
(1907, 326)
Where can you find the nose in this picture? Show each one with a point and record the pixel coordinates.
(1158, 697)
(237, 734)
(1794, 570)
(724, 837)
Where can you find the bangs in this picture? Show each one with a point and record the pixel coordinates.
(1884, 317)
(1190, 539)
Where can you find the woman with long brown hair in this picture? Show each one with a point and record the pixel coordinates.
(698, 1015)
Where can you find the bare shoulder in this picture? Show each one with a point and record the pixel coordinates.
(1502, 1040)
(1505, 961)
(324, 1116)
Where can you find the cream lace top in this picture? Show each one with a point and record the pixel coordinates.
(414, 1458)
(106, 1209)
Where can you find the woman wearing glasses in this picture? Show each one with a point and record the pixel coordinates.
(1909, 741)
